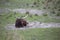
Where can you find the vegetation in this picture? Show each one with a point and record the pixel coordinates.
(52, 6)
(36, 4)
(11, 17)
(33, 34)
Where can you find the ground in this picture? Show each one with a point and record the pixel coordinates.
(33, 34)
(8, 18)
(28, 34)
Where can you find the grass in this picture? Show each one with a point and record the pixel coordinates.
(34, 34)
(11, 18)
(22, 4)
(30, 34)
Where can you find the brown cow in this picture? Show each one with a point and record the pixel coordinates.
(20, 23)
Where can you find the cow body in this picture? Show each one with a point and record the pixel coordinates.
(20, 23)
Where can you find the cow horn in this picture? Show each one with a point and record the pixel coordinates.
(25, 17)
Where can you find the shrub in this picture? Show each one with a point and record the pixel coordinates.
(34, 3)
(32, 6)
(27, 4)
(53, 12)
(45, 14)
(58, 14)
(27, 12)
(36, 14)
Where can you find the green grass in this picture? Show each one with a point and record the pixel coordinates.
(11, 18)
(30, 34)
(34, 34)
(22, 4)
